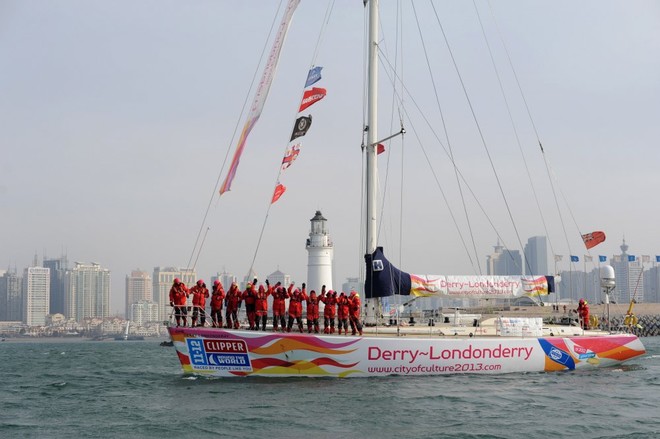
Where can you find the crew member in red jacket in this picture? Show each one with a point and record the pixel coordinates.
(217, 298)
(279, 306)
(354, 312)
(178, 297)
(312, 311)
(232, 300)
(261, 305)
(330, 310)
(343, 310)
(583, 313)
(200, 293)
(295, 306)
(250, 299)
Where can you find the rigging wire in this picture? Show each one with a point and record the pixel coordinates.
(513, 127)
(231, 142)
(538, 139)
(478, 125)
(462, 177)
(315, 53)
(449, 147)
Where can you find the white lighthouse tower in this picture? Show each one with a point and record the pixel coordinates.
(320, 254)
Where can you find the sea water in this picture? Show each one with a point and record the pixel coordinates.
(135, 389)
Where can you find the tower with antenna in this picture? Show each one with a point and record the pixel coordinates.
(319, 255)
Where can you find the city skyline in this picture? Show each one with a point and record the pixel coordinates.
(119, 302)
(113, 140)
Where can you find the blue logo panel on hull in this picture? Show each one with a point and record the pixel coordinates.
(557, 355)
(229, 355)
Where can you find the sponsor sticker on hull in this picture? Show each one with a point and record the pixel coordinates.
(211, 354)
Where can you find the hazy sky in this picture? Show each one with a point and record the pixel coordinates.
(116, 118)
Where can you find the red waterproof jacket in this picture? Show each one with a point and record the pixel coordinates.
(279, 304)
(200, 293)
(295, 301)
(330, 301)
(354, 306)
(233, 298)
(179, 294)
(262, 301)
(343, 308)
(312, 305)
(249, 296)
(217, 298)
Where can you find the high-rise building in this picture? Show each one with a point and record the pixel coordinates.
(143, 311)
(58, 268)
(503, 262)
(36, 295)
(138, 288)
(629, 279)
(162, 279)
(652, 282)
(88, 292)
(536, 256)
(11, 297)
(3, 297)
(320, 254)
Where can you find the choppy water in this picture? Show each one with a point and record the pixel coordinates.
(136, 389)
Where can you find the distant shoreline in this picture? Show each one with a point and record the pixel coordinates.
(76, 340)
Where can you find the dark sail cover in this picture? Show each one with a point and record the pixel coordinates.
(384, 279)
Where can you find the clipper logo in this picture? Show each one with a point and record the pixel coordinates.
(219, 354)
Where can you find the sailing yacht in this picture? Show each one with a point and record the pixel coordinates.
(513, 345)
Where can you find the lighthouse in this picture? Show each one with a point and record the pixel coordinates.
(320, 253)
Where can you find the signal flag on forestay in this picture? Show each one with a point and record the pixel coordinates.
(310, 97)
(290, 156)
(593, 239)
(302, 124)
(313, 76)
(279, 190)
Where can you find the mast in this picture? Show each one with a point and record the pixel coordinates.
(372, 129)
(371, 190)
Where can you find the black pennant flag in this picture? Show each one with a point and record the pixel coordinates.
(302, 125)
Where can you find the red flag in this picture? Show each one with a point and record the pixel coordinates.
(380, 148)
(593, 239)
(279, 190)
(311, 97)
(290, 156)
